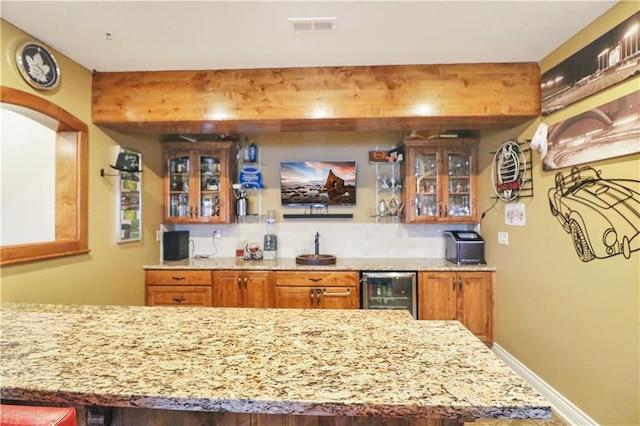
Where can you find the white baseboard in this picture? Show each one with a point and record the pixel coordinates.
(562, 407)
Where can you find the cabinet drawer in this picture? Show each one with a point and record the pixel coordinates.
(178, 277)
(166, 295)
(317, 278)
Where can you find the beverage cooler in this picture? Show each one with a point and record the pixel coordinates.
(389, 290)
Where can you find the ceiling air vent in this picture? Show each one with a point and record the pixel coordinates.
(310, 25)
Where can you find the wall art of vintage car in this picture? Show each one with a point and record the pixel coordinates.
(602, 215)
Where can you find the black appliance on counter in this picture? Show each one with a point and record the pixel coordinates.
(175, 245)
(464, 247)
(389, 290)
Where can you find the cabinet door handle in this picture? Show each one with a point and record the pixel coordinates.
(446, 210)
(178, 299)
(315, 280)
(345, 294)
(311, 293)
(245, 283)
(453, 283)
(440, 211)
(460, 283)
(239, 283)
(177, 278)
(318, 297)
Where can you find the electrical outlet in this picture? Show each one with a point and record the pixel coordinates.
(503, 238)
(217, 234)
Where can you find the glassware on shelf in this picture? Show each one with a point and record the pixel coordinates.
(207, 206)
(183, 205)
(179, 165)
(395, 207)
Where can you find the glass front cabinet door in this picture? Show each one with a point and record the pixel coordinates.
(198, 183)
(440, 181)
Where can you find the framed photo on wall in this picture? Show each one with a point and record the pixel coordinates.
(607, 61)
(607, 131)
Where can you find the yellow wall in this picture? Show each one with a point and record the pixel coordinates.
(111, 273)
(575, 324)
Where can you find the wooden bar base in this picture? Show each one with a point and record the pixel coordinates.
(153, 417)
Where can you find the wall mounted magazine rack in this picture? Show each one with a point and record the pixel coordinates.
(128, 196)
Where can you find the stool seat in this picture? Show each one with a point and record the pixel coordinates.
(23, 415)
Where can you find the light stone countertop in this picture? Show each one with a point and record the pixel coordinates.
(288, 361)
(342, 264)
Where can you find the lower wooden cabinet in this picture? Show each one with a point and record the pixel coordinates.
(243, 289)
(463, 296)
(317, 290)
(178, 288)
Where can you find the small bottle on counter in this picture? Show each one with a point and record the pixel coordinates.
(240, 250)
(270, 238)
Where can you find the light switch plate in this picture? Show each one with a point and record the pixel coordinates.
(503, 238)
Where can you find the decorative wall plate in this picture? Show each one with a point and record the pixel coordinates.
(37, 66)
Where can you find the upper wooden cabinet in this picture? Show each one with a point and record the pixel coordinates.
(441, 180)
(197, 183)
(243, 289)
(354, 98)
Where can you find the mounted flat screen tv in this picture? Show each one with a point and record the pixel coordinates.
(305, 183)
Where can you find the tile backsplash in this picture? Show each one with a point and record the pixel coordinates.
(339, 238)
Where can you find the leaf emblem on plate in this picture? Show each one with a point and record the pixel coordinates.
(37, 68)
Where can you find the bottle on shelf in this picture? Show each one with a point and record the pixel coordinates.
(253, 152)
(182, 206)
(173, 210)
(207, 207)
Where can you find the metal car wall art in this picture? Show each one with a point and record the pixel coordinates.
(601, 215)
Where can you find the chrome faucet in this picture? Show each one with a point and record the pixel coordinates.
(316, 243)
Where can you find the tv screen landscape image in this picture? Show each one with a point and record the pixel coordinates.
(304, 183)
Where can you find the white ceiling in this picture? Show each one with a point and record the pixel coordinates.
(189, 35)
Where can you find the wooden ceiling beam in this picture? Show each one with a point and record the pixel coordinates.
(407, 97)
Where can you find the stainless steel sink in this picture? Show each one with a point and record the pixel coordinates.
(316, 259)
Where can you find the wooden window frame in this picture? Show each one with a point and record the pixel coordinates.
(71, 186)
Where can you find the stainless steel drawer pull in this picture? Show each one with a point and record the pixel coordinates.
(328, 294)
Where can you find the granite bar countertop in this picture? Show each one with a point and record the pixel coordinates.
(342, 264)
(288, 361)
